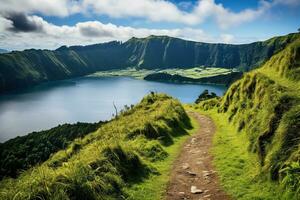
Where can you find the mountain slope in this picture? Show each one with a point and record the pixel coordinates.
(23, 152)
(166, 52)
(265, 105)
(29, 67)
(103, 164)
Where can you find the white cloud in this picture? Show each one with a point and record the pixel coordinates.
(53, 36)
(59, 8)
(153, 10)
(227, 38)
(160, 10)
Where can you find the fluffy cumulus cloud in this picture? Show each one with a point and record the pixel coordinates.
(59, 8)
(52, 36)
(20, 27)
(22, 23)
(160, 10)
(153, 10)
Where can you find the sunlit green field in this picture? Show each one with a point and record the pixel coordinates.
(195, 73)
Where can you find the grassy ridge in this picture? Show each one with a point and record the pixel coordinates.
(21, 153)
(264, 107)
(105, 163)
(20, 69)
(240, 171)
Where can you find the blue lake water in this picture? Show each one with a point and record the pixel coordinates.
(86, 99)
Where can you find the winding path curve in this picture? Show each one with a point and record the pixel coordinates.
(193, 175)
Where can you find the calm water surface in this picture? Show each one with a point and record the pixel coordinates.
(85, 99)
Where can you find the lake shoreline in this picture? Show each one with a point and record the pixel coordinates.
(83, 99)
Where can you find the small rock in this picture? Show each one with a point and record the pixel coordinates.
(181, 193)
(193, 140)
(206, 175)
(191, 173)
(199, 162)
(195, 190)
(207, 196)
(185, 166)
(206, 191)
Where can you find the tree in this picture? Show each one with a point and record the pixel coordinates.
(205, 95)
(298, 29)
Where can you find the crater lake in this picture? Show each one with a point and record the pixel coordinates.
(86, 99)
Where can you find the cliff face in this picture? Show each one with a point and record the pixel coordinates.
(20, 69)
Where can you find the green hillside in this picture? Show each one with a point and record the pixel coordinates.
(139, 144)
(23, 152)
(20, 69)
(262, 133)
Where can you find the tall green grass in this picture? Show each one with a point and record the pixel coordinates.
(239, 169)
(262, 113)
(121, 154)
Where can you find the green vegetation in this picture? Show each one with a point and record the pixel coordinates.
(193, 75)
(222, 79)
(21, 69)
(205, 95)
(123, 158)
(155, 186)
(240, 171)
(23, 152)
(130, 72)
(198, 72)
(263, 112)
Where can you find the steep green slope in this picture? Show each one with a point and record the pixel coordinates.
(265, 105)
(165, 52)
(21, 153)
(106, 163)
(29, 67)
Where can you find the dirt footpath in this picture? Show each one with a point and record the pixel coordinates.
(193, 175)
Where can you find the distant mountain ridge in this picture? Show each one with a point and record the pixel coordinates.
(3, 51)
(20, 69)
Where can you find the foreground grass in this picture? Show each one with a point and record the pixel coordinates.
(237, 167)
(126, 158)
(195, 73)
(155, 187)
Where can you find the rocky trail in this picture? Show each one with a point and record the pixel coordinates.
(193, 175)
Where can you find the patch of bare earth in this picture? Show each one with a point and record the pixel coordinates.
(193, 175)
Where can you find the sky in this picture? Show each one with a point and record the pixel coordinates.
(49, 24)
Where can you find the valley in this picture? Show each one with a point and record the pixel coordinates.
(144, 134)
(86, 99)
(23, 69)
